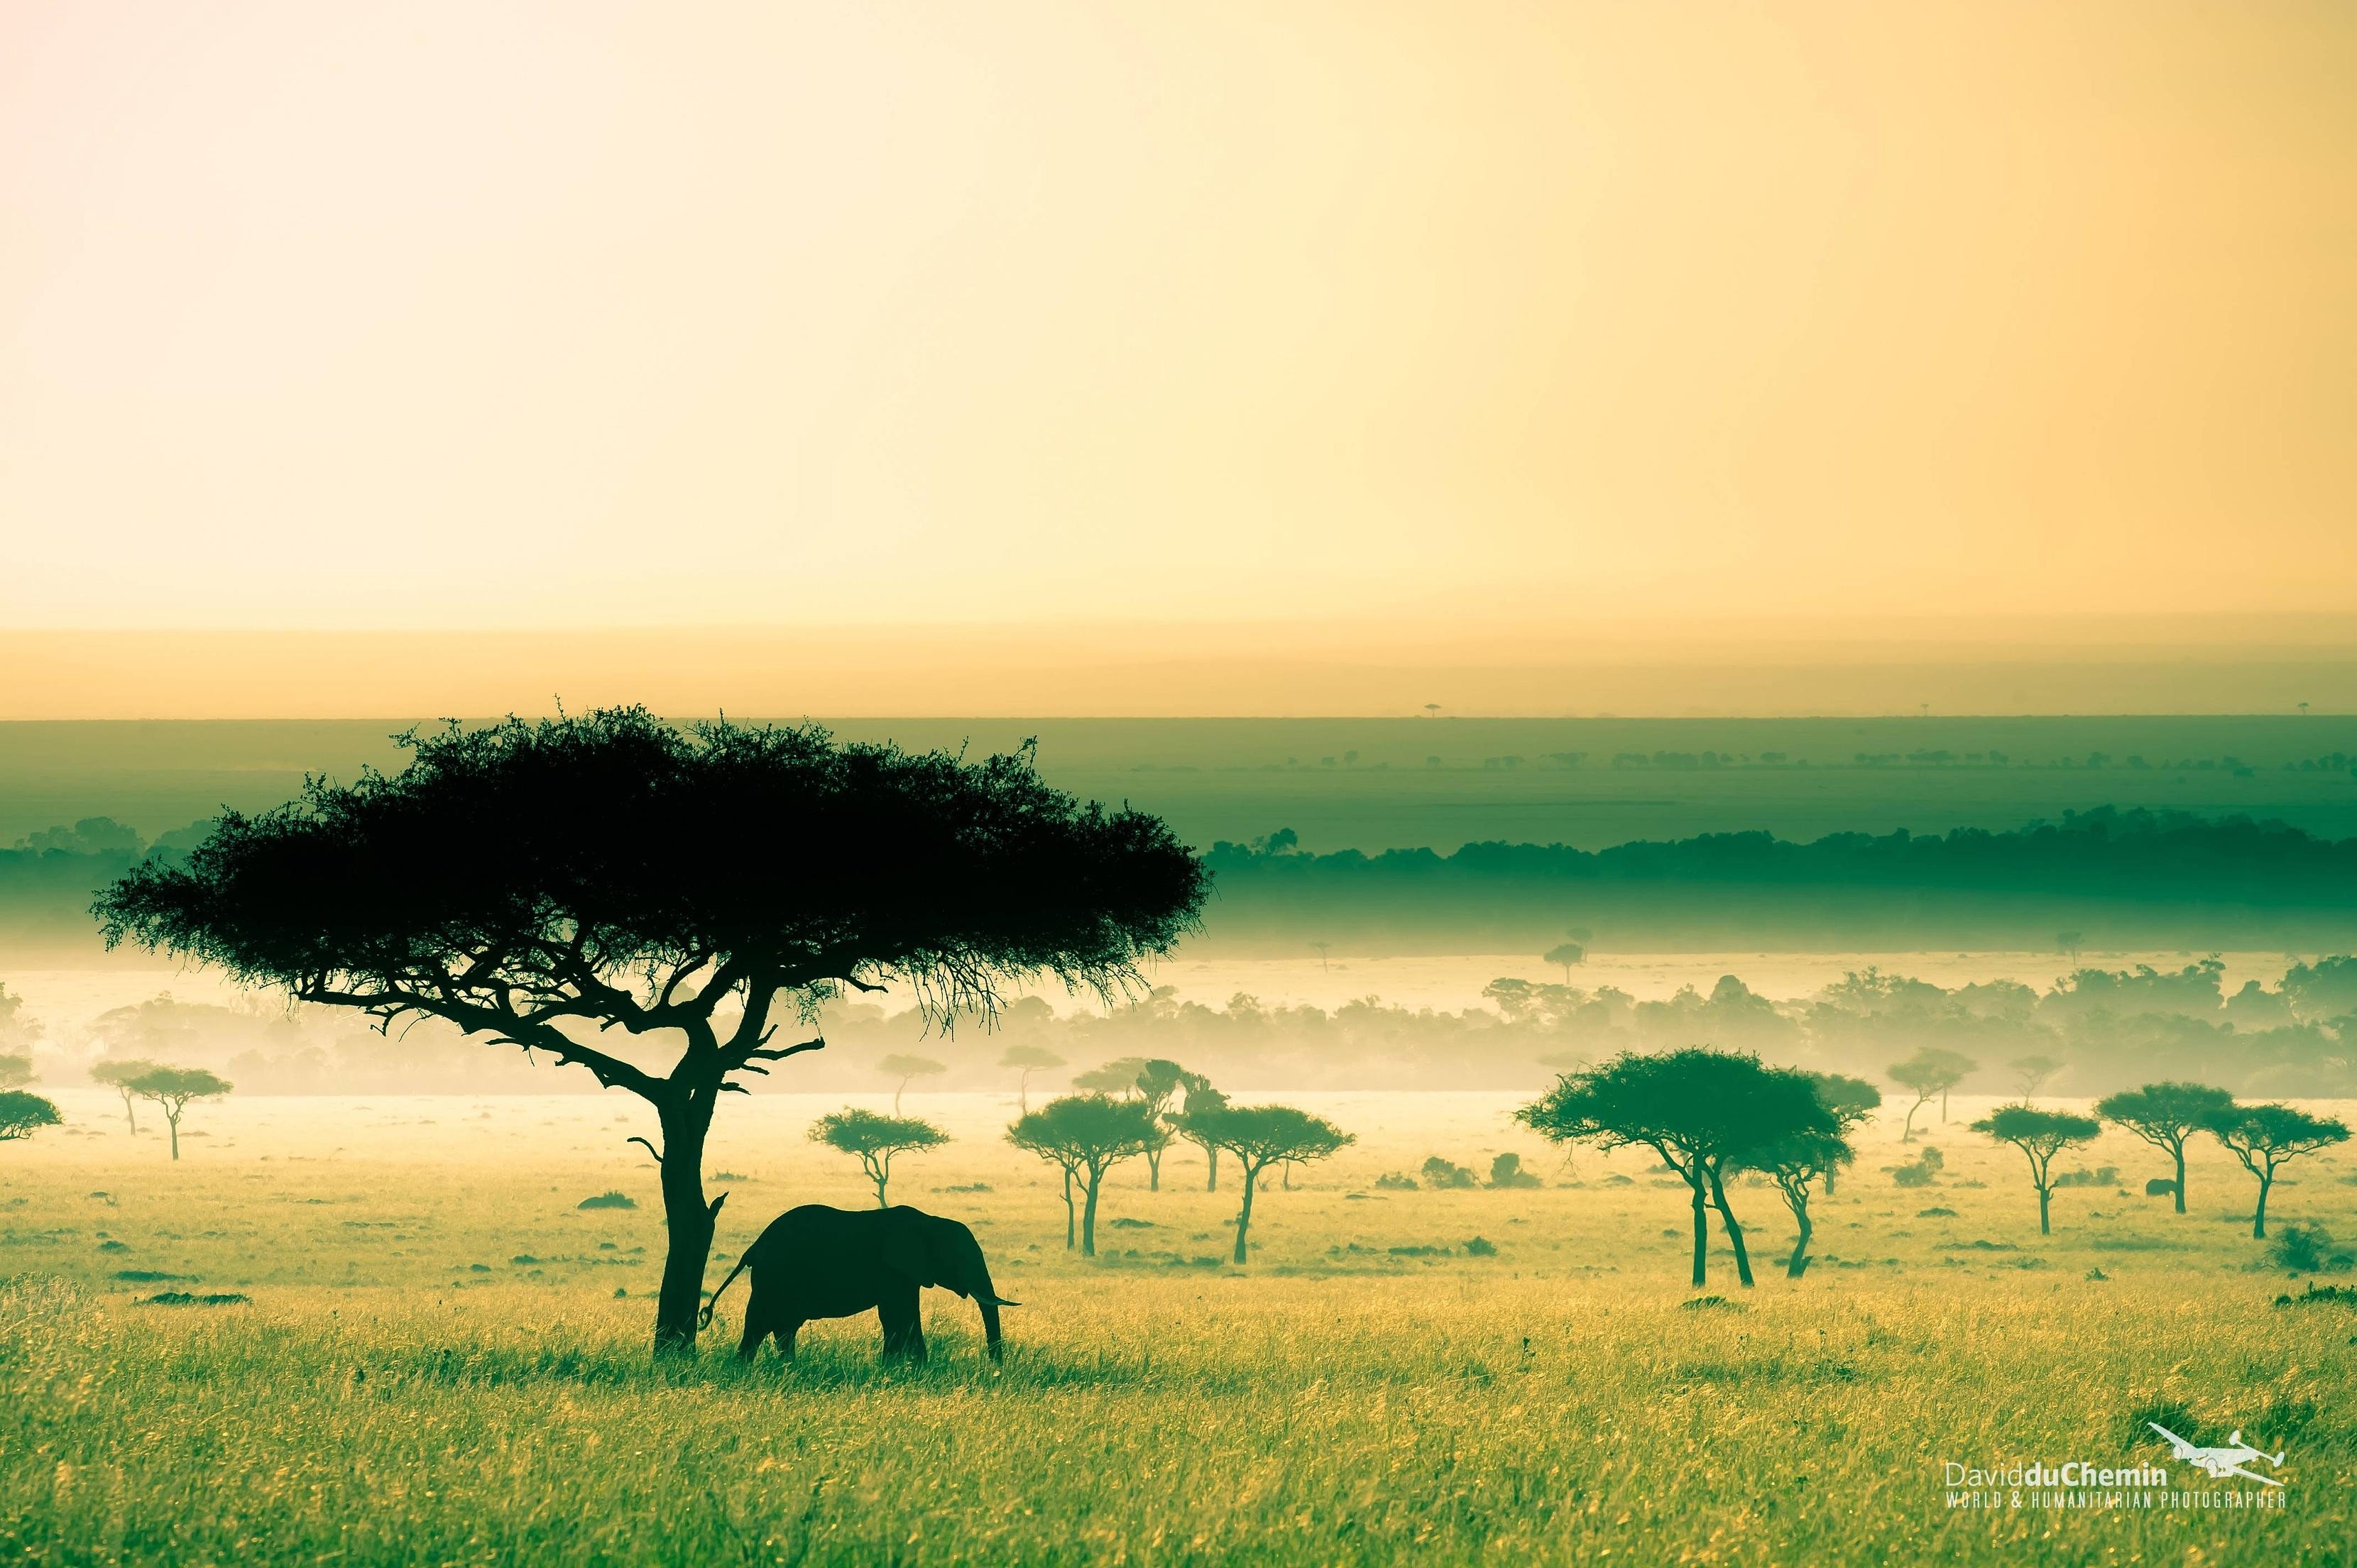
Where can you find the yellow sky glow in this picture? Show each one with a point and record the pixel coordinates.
(506, 315)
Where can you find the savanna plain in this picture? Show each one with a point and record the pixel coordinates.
(436, 1354)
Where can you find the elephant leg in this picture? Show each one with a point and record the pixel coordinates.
(903, 1332)
(786, 1332)
(757, 1328)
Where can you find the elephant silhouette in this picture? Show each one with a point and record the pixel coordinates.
(817, 1262)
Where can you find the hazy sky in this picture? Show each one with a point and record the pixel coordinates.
(494, 315)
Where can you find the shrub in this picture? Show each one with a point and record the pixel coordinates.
(1393, 1181)
(1478, 1248)
(2306, 1250)
(609, 1200)
(1442, 1176)
(1506, 1170)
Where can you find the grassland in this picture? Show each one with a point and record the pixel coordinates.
(442, 1357)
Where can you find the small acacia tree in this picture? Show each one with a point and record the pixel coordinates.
(1707, 1115)
(874, 1140)
(2039, 1136)
(560, 884)
(173, 1088)
(1159, 1082)
(2164, 1115)
(1086, 1135)
(1563, 955)
(1929, 1071)
(22, 1114)
(1201, 1096)
(1118, 1075)
(1794, 1165)
(1029, 1060)
(2032, 1073)
(1853, 1102)
(908, 1069)
(117, 1076)
(2263, 1137)
(1259, 1136)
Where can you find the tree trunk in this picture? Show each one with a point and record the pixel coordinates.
(130, 1112)
(2044, 1229)
(1088, 1217)
(2259, 1220)
(1154, 1170)
(1244, 1219)
(1943, 1108)
(1734, 1231)
(1023, 1091)
(1909, 1135)
(1068, 1209)
(1701, 1229)
(1212, 1159)
(173, 1118)
(688, 1222)
(2180, 1179)
(1829, 1178)
(1799, 1260)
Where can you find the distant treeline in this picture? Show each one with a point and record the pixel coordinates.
(2095, 1031)
(2118, 878)
(2115, 879)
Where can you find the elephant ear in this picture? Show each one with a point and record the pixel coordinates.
(909, 1248)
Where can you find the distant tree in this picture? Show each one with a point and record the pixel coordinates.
(2264, 1137)
(1029, 1060)
(557, 884)
(1446, 1175)
(1563, 955)
(908, 1069)
(2039, 1136)
(16, 1071)
(1086, 1135)
(173, 1087)
(1259, 1136)
(1159, 1083)
(117, 1076)
(1853, 1102)
(1118, 1075)
(1506, 1171)
(1929, 1071)
(1707, 1113)
(22, 1115)
(2032, 1073)
(2069, 943)
(874, 1140)
(1201, 1096)
(1321, 948)
(1794, 1165)
(2164, 1115)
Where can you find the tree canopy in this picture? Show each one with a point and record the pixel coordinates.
(2263, 1137)
(2039, 1136)
(2164, 1115)
(16, 1071)
(1930, 1071)
(1086, 1134)
(1259, 1136)
(23, 1114)
(874, 1140)
(1708, 1113)
(174, 1088)
(532, 881)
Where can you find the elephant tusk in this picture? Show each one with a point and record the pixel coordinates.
(1002, 1301)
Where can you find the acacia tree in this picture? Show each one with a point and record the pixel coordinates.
(1159, 1082)
(1086, 1134)
(1707, 1115)
(2264, 1137)
(2039, 1136)
(1201, 1096)
(874, 1140)
(907, 1069)
(1118, 1075)
(117, 1076)
(2164, 1115)
(1029, 1060)
(1259, 1136)
(547, 885)
(1563, 955)
(1929, 1071)
(173, 1087)
(1853, 1102)
(2032, 1073)
(1794, 1165)
(22, 1115)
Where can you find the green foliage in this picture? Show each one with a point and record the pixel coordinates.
(23, 1114)
(874, 1140)
(175, 1086)
(16, 1071)
(1443, 1175)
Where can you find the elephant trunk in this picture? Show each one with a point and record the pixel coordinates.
(990, 1325)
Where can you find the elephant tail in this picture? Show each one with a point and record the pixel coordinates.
(704, 1318)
